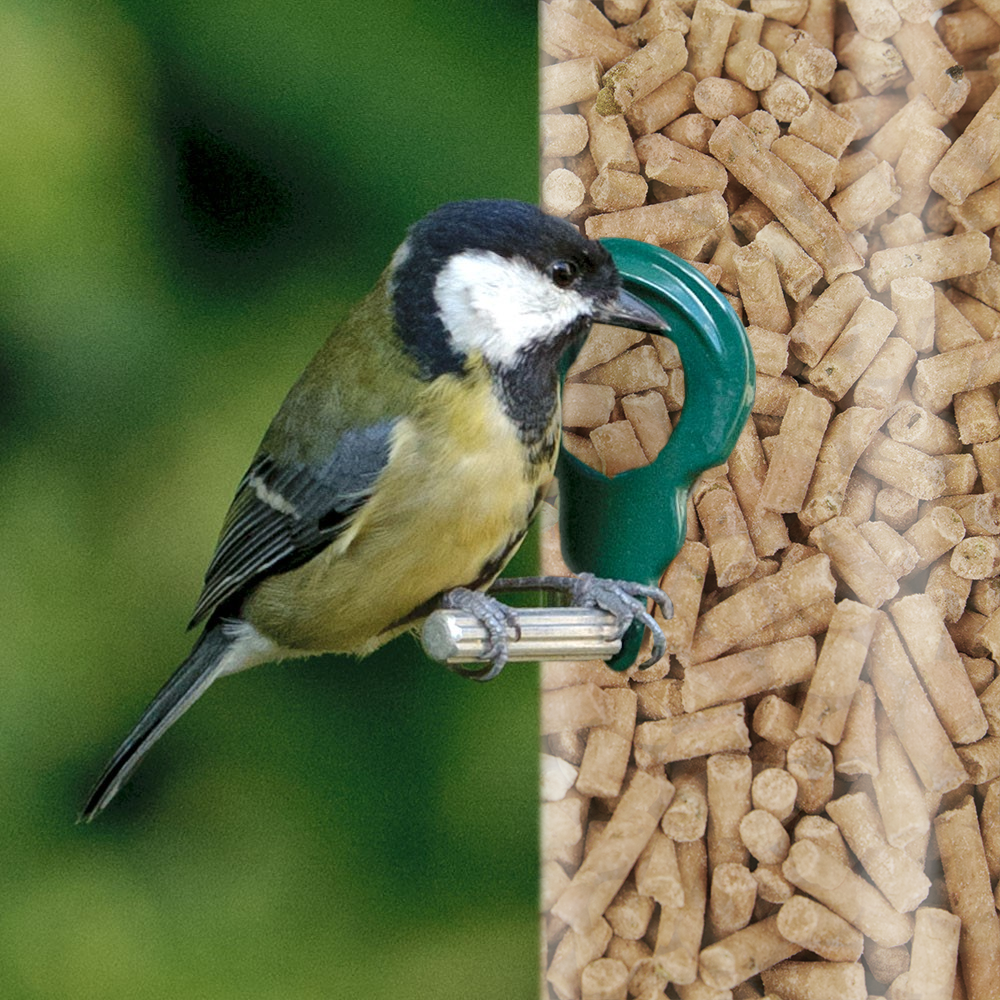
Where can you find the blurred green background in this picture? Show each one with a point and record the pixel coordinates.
(191, 192)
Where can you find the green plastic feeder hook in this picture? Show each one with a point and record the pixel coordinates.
(632, 526)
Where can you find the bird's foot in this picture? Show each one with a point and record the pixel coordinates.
(621, 598)
(496, 617)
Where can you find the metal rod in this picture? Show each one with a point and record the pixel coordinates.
(546, 634)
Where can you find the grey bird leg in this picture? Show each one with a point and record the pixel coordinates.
(621, 598)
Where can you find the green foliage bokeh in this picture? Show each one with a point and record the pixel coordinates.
(191, 193)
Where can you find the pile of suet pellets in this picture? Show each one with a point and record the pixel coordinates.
(802, 799)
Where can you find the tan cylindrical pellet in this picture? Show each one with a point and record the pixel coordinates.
(976, 558)
(604, 979)
(716, 98)
(913, 304)
(760, 287)
(747, 471)
(833, 884)
(810, 763)
(714, 730)
(605, 760)
(665, 104)
(899, 556)
(729, 776)
(569, 82)
(934, 954)
(921, 154)
(745, 953)
(968, 880)
(981, 759)
(711, 24)
(818, 929)
(896, 507)
(784, 98)
(868, 197)
(663, 223)
(764, 837)
(809, 980)
(799, 55)
(770, 349)
(987, 457)
(749, 672)
(563, 135)
(846, 438)
(641, 73)
(578, 707)
(856, 753)
(784, 192)
(683, 168)
(822, 322)
(976, 416)
(726, 533)
(901, 800)
(628, 913)
(616, 190)
(656, 871)
(879, 386)
(934, 654)
(679, 935)
(684, 581)
(923, 430)
(855, 561)
(762, 603)
(795, 452)
(854, 350)
(932, 66)
(797, 271)
(605, 868)
(564, 36)
(877, 65)
(906, 468)
(687, 815)
(934, 260)
(828, 699)
(817, 169)
(825, 833)
(610, 144)
(693, 131)
(974, 158)
(751, 64)
(951, 329)
(859, 497)
(774, 790)
(900, 879)
(775, 720)
(823, 128)
(909, 710)
(562, 192)
(939, 377)
(938, 531)
(731, 898)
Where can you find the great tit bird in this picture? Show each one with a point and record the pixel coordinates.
(403, 468)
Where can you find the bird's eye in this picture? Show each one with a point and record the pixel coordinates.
(564, 273)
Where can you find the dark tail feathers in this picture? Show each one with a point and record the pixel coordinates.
(185, 686)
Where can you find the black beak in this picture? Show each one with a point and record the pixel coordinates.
(630, 312)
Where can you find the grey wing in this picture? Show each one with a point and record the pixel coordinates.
(285, 511)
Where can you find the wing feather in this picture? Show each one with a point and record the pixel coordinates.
(285, 512)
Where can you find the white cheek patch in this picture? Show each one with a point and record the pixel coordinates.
(497, 305)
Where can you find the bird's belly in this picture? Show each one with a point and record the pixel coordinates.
(428, 529)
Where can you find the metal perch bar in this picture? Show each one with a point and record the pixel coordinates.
(546, 634)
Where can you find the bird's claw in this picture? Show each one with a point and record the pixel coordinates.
(627, 602)
(496, 617)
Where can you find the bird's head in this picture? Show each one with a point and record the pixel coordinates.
(506, 281)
